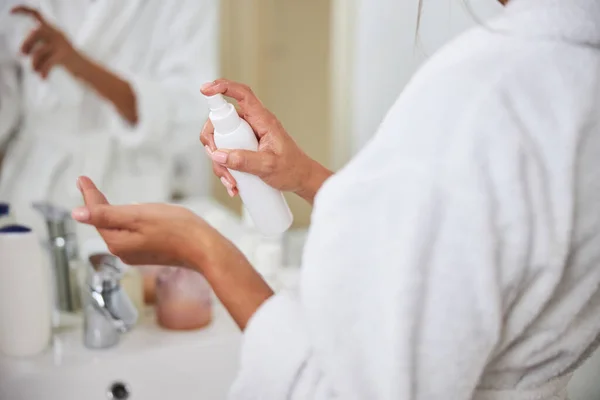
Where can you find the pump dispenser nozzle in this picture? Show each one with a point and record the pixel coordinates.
(215, 102)
(223, 115)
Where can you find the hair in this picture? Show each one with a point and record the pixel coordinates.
(419, 15)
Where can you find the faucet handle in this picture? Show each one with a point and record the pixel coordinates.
(116, 307)
(106, 294)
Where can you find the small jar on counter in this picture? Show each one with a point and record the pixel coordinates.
(149, 276)
(183, 299)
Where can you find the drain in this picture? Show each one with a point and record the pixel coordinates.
(118, 391)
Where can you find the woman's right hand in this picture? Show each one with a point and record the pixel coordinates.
(279, 161)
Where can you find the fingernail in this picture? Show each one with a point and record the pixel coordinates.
(208, 150)
(81, 214)
(230, 192)
(78, 184)
(226, 183)
(207, 85)
(219, 157)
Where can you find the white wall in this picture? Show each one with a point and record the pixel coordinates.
(387, 52)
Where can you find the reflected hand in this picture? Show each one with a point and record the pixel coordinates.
(279, 161)
(47, 45)
(144, 234)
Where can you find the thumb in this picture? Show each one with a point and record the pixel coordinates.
(106, 216)
(253, 162)
(91, 194)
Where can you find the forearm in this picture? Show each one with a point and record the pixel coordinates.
(316, 175)
(235, 282)
(108, 85)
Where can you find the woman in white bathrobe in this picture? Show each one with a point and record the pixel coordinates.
(106, 88)
(456, 257)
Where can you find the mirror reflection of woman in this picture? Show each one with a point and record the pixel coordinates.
(456, 257)
(107, 89)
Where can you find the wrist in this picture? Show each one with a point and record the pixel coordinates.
(235, 282)
(313, 178)
(191, 247)
(77, 64)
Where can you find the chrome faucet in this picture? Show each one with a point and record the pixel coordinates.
(108, 310)
(62, 247)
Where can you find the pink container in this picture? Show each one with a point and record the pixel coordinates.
(149, 276)
(183, 299)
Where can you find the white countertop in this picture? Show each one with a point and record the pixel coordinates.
(68, 351)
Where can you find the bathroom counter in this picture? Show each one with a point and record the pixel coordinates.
(149, 363)
(67, 350)
(152, 362)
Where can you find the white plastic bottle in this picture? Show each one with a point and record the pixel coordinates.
(266, 205)
(25, 298)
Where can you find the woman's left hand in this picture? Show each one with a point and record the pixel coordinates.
(47, 45)
(160, 234)
(157, 234)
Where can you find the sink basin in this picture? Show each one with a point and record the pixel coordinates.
(148, 364)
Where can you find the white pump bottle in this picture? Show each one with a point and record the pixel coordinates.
(266, 205)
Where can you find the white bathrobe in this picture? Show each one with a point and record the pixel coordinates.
(164, 49)
(458, 256)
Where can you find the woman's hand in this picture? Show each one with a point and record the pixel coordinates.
(47, 45)
(160, 234)
(156, 234)
(279, 161)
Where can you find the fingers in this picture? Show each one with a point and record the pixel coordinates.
(50, 62)
(91, 194)
(232, 191)
(40, 56)
(28, 11)
(225, 176)
(36, 37)
(98, 212)
(252, 162)
(104, 216)
(246, 99)
(207, 136)
(226, 179)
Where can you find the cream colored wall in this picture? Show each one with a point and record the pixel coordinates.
(281, 49)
